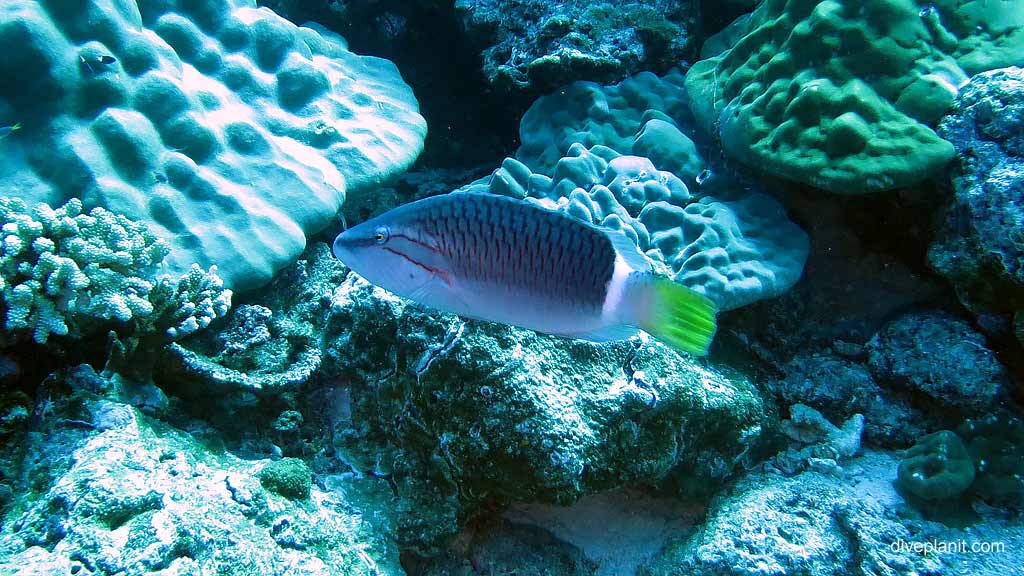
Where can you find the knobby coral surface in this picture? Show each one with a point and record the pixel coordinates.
(842, 94)
(231, 132)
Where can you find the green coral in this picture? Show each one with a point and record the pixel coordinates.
(996, 445)
(841, 94)
(289, 477)
(938, 467)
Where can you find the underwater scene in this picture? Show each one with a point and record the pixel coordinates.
(511, 288)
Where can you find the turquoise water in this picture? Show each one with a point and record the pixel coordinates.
(753, 302)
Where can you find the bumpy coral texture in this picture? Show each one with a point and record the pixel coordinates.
(591, 114)
(57, 264)
(937, 467)
(229, 131)
(841, 94)
(63, 272)
(733, 251)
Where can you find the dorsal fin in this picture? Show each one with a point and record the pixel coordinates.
(625, 247)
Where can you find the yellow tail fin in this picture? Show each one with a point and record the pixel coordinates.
(680, 317)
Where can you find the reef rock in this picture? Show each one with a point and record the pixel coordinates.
(103, 489)
(940, 356)
(541, 45)
(809, 524)
(508, 414)
(980, 244)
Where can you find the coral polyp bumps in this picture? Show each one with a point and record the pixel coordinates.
(229, 131)
(65, 272)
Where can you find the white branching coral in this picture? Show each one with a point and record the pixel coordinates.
(63, 272)
(189, 303)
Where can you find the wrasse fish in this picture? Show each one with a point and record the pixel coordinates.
(500, 259)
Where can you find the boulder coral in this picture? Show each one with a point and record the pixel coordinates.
(614, 116)
(733, 250)
(229, 131)
(843, 94)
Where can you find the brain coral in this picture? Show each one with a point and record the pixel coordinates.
(734, 251)
(229, 131)
(840, 94)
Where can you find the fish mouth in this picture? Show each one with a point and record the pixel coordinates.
(346, 242)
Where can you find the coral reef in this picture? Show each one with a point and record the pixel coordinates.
(734, 251)
(108, 490)
(938, 467)
(841, 94)
(979, 246)
(229, 131)
(160, 154)
(539, 45)
(63, 272)
(941, 357)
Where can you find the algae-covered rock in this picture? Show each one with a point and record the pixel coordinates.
(267, 348)
(940, 356)
(456, 415)
(540, 45)
(509, 414)
(809, 524)
(839, 388)
(938, 467)
(979, 246)
(103, 489)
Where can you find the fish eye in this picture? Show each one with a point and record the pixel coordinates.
(381, 234)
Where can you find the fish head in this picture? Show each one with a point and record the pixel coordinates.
(391, 251)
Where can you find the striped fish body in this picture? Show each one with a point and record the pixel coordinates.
(501, 259)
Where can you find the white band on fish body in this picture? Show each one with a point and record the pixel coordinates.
(610, 310)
